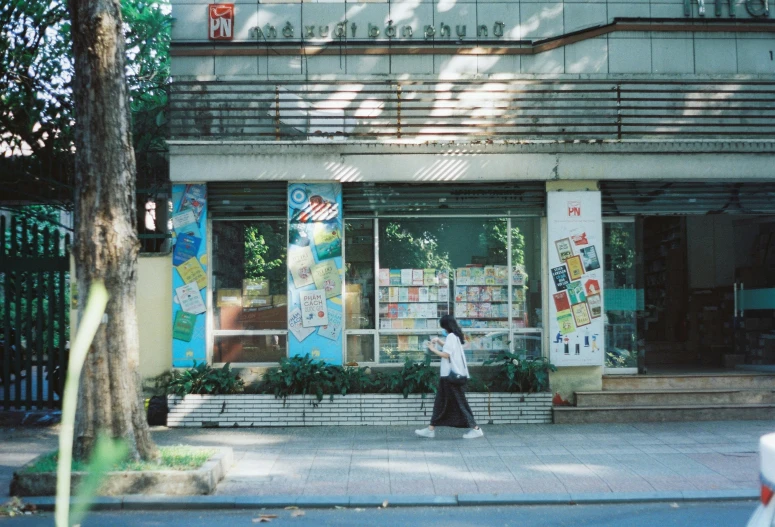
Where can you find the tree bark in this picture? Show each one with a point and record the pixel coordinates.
(106, 243)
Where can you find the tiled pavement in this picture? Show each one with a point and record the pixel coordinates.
(531, 459)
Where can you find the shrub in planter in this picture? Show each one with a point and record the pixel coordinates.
(204, 379)
(352, 379)
(299, 376)
(526, 375)
(414, 377)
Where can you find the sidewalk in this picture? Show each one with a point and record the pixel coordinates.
(600, 459)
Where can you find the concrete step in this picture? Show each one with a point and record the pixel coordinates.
(634, 414)
(731, 380)
(673, 397)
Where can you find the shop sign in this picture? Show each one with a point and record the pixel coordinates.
(221, 23)
(756, 8)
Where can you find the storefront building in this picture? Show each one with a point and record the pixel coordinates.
(588, 181)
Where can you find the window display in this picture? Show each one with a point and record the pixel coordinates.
(249, 300)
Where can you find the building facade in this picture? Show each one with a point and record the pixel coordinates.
(589, 181)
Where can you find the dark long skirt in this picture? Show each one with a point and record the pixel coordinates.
(451, 407)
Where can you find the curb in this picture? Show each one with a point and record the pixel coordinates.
(155, 503)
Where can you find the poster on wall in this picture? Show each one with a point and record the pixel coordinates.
(315, 271)
(575, 232)
(189, 274)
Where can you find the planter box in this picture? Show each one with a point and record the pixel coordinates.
(354, 409)
(168, 482)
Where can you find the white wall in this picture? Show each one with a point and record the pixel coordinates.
(616, 53)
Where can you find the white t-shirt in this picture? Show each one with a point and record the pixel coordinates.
(457, 357)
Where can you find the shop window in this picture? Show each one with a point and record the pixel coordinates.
(432, 267)
(249, 284)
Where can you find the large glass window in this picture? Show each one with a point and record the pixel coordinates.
(431, 267)
(249, 287)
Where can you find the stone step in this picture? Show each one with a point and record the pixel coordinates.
(732, 380)
(634, 414)
(673, 397)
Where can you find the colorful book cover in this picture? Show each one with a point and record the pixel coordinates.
(194, 199)
(403, 343)
(383, 310)
(392, 311)
(497, 294)
(384, 294)
(403, 294)
(518, 294)
(185, 222)
(418, 277)
(477, 275)
(395, 277)
(191, 271)
(472, 293)
(328, 240)
(314, 309)
(560, 277)
(564, 249)
(429, 277)
(183, 328)
(414, 311)
(461, 310)
(592, 287)
(575, 269)
(518, 275)
(501, 274)
(461, 294)
(423, 294)
(296, 327)
(463, 276)
(384, 277)
(442, 277)
(565, 321)
(581, 314)
(406, 277)
(186, 247)
(579, 238)
(485, 310)
(327, 278)
(485, 293)
(589, 258)
(393, 294)
(433, 294)
(576, 293)
(420, 323)
(561, 301)
(190, 299)
(385, 323)
(396, 324)
(410, 323)
(414, 294)
(595, 305)
(414, 342)
(334, 327)
(443, 294)
(403, 310)
(300, 262)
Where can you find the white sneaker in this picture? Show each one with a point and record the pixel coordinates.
(426, 432)
(473, 433)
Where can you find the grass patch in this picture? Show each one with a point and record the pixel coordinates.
(179, 457)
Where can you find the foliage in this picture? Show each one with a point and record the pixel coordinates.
(414, 377)
(621, 251)
(264, 252)
(16, 507)
(204, 379)
(495, 238)
(411, 245)
(352, 379)
(299, 375)
(527, 375)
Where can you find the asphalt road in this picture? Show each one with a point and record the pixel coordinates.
(723, 514)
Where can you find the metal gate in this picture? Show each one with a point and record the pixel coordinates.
(34, 320)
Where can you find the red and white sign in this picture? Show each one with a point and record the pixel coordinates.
(574, 208)
(221, 22)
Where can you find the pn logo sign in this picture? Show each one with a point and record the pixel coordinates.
(574, 208)
(221, 21)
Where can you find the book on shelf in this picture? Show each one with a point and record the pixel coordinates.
(384, 277)
(395, 277)
(418, 277)
(393, 294)
(406, 277)
(392, 311)
(423, 294)
(397, 324)
(433, 294)
(429, 277)
(403, 310)
(413, 294)
(385, 323)
(403, 294)
(477, 275)
(443, 294)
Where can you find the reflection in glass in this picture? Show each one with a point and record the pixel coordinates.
(622, 296)
(359, 274)
(249, 348)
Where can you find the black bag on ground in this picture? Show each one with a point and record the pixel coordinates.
(158, 410)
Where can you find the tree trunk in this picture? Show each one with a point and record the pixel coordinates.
(106, 243)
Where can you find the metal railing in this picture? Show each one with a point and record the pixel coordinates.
(471, 110)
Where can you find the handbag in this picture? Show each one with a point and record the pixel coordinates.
(457, 379)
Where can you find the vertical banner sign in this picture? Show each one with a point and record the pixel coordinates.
(189, 274)
(221, 21)
(315, 271)
(576, 322)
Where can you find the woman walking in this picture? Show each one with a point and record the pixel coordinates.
(451, 407)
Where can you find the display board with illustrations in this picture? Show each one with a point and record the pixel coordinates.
(575, 230)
